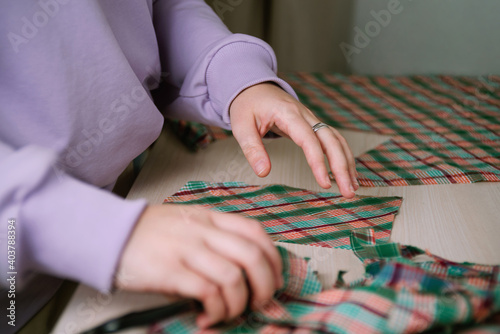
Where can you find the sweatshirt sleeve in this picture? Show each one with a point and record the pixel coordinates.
(208, 64)
(63, 227)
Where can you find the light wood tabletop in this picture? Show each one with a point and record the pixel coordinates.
(460, 222)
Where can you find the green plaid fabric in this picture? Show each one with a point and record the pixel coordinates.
(405, 290)
(445, 129)
(196, 136)
(296, 215)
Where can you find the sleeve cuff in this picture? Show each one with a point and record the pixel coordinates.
(237, 66)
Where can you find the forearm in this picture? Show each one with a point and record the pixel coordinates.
(64, 227)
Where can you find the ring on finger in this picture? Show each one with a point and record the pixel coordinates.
(316, 127)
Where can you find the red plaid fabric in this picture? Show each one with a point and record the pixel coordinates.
(446, 129)
(400, 293)
(296, 215)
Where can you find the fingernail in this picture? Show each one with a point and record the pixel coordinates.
(260, 167)
(203, 321)
(327, 180)
(351, 188)
(356, 184)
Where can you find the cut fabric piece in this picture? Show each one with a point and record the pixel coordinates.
(446, 128)
(405, 290)
(400, 162)
(296, 215)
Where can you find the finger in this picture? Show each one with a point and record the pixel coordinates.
(301, 133)
(253, 231)
(337, 160)
(192, 285)
(350, 158)
(345, 151)
(225, 274)
(250, 141)
(248, 256)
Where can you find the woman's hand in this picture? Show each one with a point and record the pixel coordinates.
(219, 259)
(266, 107)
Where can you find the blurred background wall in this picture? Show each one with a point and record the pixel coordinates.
(373, 36)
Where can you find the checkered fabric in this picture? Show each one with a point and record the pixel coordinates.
(296, 215)
(195, 135)
(405, 290)
(446, 129)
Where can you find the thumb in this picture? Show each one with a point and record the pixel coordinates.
(248, 137)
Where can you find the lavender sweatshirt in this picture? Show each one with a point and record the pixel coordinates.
(75, 109)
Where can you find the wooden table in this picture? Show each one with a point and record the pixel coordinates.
(458, 222)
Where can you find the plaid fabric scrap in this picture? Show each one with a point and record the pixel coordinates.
(405, 290)
(296, 215)
(446, 128)
(195, 135)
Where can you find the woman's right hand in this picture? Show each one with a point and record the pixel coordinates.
(218, 259)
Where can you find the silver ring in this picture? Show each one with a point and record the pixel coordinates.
(318, 126)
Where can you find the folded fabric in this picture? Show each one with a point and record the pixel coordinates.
(196, 136)
(296, 215)
(446, 129)
(405, 290)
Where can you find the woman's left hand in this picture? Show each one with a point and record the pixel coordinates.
(266, 107)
